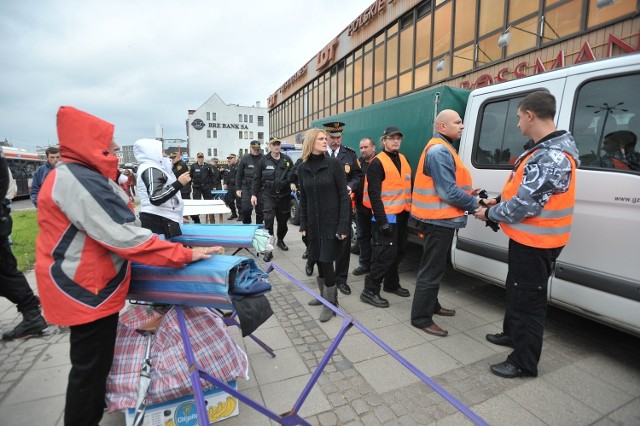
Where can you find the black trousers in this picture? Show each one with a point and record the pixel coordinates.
(387, 253)
(363, 232)
(344, 256)
(279, 208)
(201, 192)
(186, 195)
(232, 201)
(529, 271)
(247, 208)
(13, 284)
(433, 265)
(91, 354)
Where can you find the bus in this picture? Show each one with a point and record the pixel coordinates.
(23, 165)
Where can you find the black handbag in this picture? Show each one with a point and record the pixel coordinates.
(172, 229)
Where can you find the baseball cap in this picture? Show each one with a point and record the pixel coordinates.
(274, 141)
(254, 143)
(392, 130)
(231, 156)
(200, 155)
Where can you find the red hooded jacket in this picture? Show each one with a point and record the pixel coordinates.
(88, 232)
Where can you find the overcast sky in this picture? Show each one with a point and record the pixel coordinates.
(138, 63)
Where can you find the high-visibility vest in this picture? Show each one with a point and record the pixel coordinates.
(425, 202)
(396, 186)
(551, 228)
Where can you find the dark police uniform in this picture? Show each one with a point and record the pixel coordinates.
(273, 179)
(231, 199)
(363, 221)
(348, 158)
(216, 173)
(202, 180)
(244, 178)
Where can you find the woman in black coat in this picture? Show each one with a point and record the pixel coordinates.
(324, 210)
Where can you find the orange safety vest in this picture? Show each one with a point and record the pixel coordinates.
(425, 202)
(396, 186)
(551, 228)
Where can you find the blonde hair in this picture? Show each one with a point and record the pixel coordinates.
(309, 141)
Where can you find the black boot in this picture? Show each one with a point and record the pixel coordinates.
(308, 269)
(32, 325)
(331, 294)
(314, 301)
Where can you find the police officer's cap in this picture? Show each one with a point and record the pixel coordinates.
(230, 156)
(255, 143)
(173, 155)
(274, 141)
(334, 128)
(200, 155)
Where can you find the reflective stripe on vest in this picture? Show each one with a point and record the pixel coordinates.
(551, 228)
(396, 186)
(425, 202)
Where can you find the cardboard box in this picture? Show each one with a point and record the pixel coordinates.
(183, 412)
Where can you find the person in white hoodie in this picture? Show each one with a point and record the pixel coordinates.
(158, 189)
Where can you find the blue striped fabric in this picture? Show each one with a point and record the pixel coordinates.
(201, 235)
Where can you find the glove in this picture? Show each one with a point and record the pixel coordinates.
(386, 230)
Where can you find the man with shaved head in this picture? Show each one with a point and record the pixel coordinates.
(442, 193)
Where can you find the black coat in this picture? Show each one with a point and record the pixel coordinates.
(324, 206)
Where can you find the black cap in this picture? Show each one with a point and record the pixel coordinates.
(334, 128)
(255, 143)
(390, 131)
(173, 155)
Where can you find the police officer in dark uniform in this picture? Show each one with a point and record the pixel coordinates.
(229, 177)
(273, 179)
(244, 178)
(179, 168)
(201, 180)
(217, 171)
(349, 160)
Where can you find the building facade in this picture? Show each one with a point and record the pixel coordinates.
(398, 47)
(218, 129)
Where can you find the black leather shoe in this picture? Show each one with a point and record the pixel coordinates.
(373, 299)
(308, 269)
(500, 339)
(360, 270)
(402, 292)
(282, 246)
(239, 219)
(305, 254)
(344, 288)
(268, 257)
(233, 216)
(506, 370)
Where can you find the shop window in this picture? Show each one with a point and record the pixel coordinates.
(523, 40)
(357, 75)
(340, 84)
(488, 50)
(442, 29)
(423, 40)
(606, 14)
(334, 89)
(378, 61)
(405, 83)
(367, 97)
(606, 124)
(392, 88)
(357, 101)
(520, 8)
(491, 16)
(422, 76)
(465, 22)
(348, 104)
(348, 81)
(392, 57)
(406, 49)
(463, 60)
(392, 30)
(562, 21)
(498, 140)
(378, 93)
(368, 69)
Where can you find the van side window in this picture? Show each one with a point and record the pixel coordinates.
(499, 141)
(606, 123)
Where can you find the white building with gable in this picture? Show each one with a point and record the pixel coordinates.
(218, 129)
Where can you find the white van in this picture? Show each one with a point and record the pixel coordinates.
(598, 273)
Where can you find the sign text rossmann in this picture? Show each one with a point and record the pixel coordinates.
(585, 54)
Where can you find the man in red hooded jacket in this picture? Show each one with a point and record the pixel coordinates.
(88, 237)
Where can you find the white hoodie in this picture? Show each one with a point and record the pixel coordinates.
(148, 152)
